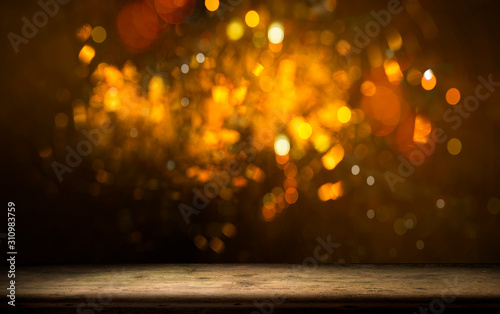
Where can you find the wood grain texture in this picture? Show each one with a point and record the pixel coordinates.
(258, 288)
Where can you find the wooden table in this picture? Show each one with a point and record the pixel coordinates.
(258, 288)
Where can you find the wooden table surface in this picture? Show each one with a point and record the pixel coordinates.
(258, 288)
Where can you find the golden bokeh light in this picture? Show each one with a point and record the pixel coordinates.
(98, 34)
(174, 12)
(252, 18)
(428, 80)
(305, 130)
(84, 32)
(422, 129)
(330, 191)
(332, 158)
(229, 230)
(87, 53)
(454, 146)
(212, 5)
(61, 120)
(216, 244)
(393, 71)
(291, 195)
(200, 242)
(235, 29)
(282, 145)
(453, 96)
(276, 33)
(344, 114)
(368, 88)
(414, 77)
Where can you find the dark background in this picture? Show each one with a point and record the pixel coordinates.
(62, 223)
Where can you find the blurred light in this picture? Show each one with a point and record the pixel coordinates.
(344, 114)
(84, 32)
(200, 57)
(305, 130)
(454, 146)
(368, 88)
(174, 12)
(170, 165)
(252, 18)
(113, 91)
(281, 145)
(343, 47)
(275, 33)
(394, 40)
(393, 71)
(45, 152)
(370, 214)
(200, 242)
(420, 244)
(410, 220)
(134, 132)
(86, 54)
(332, 158)
(440, 203)
(414, 77)
(290, 170)
(321, 142)
(184, 68)
(282, 160)
(452, 96)
(99, 34)
(138, 25)
(268, 213)
(61, 120)
(289, 183)
(355, 170)
(330, 5)
(428, 80)
(400, 227)
(184, 102)
(329, 191)
(428, 75)
(291, 195)
(220, 94)
(259, 39)
(235, 29)
(409, 223)
(212, 5)
(370, 180)
(422, 129)
(216, 245)
(229, 230)
(384, 108)
(257, 70)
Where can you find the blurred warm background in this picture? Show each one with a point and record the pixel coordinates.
(240, 131)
